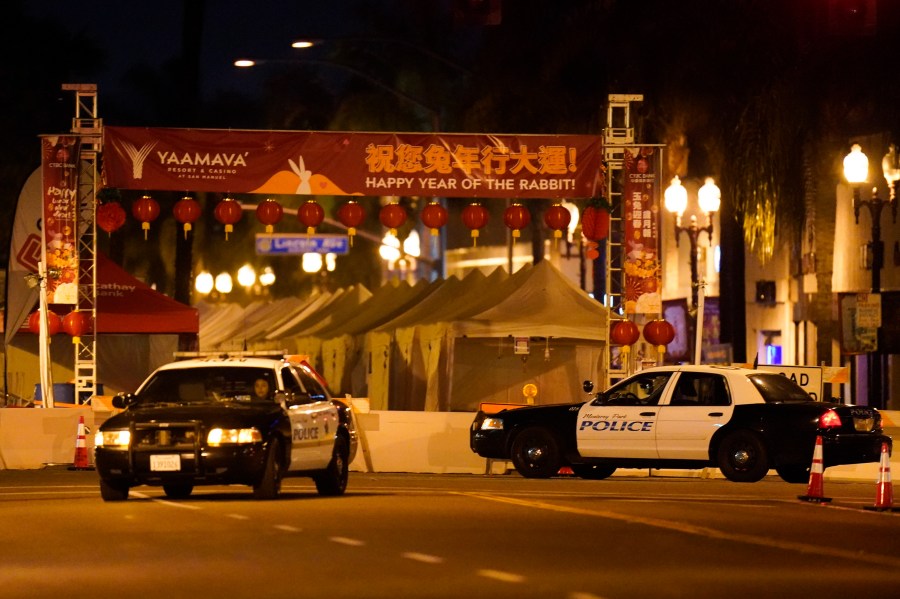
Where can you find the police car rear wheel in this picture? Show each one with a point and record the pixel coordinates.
(333, 480)
(269, 484)
(535, 453)
(742, 457)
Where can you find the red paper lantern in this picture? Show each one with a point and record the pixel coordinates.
(53, 322)
(434, 216)
(146, 209)
(624, 333)
(228, 212)
(392, 216)
(595, 223)
(110, 216)
(351, 215)
(311, 214)
(186, 211)
(516, 217)
(76, 323)
(557, 218)
(660, 333)
(269, 213)
(475, 217)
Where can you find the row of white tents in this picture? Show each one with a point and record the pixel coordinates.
(446, 345)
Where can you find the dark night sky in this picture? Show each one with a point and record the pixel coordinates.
(132, 32)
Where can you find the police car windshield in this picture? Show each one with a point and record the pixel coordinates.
(776, 388)
(209, 384)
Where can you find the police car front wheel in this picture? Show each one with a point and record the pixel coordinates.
(535, 453)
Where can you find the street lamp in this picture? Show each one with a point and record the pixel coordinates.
(709, 198)
(856, 171)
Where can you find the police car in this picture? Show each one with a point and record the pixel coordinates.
(226, 420)
(743, 421)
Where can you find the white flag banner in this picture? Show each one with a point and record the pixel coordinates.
(24, 255)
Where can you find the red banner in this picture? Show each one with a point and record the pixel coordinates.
(643, 277)
(353, 163)
(60, 156)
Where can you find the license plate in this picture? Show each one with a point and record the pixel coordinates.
(165, 463)
(863, 425)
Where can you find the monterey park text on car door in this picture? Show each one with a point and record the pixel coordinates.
(743, 421)
(227, 420)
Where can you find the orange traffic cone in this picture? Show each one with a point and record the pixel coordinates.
(884, 490)
(565, 471)
(81, 452)
(815, 491)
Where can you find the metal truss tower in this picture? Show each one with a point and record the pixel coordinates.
(89, 127)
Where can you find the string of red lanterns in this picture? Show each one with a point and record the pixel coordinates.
(76, 323)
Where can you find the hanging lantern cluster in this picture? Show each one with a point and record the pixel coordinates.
(475, 217)
(146, 210)
(660, 333)
(392, 216)
(186, 211)
(516, 217)
(624, 333)
(311, 214)
(351, 214)
(110, 216)
(76, 323)
(557, 217)
(434, 216)
(228, 212)
(269, 213)
(595, 226)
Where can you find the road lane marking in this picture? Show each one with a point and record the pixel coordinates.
(184, 506)
(423, 557)
(239, 516)
(287, 528)
(347, 541)
(501, 576)
(701, 531)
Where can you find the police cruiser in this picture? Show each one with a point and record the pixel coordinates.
(744, 421)
(226, 420)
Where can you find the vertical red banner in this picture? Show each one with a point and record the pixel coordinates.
(60, 156)
(641, 195)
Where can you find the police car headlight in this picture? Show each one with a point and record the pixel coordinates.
(232, 436)
(492, 424)
(112, 439)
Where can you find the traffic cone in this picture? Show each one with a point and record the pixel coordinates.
(815, 491)
(566, 471)
(81, 452)
(884, 490)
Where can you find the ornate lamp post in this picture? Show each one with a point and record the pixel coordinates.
(709, 197)
(856, 171)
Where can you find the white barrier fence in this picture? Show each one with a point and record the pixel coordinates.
(391, 441)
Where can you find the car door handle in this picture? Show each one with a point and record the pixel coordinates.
(648, 413)
(716, 414)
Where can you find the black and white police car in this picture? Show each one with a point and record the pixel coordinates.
(743, 421)
(226, 420)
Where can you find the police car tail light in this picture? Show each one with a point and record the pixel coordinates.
(232, 436)
(830, 419)
(492, 424)
(112, 439)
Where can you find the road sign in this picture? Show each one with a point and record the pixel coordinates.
(268, 244)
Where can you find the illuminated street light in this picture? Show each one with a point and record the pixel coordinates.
(709, 198)
(224, 283)
(246, 276)
(204, 283)
(856, 171)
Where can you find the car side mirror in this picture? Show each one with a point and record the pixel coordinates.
(588, 386)
(122, 401)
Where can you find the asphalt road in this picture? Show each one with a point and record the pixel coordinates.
(447, 536)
